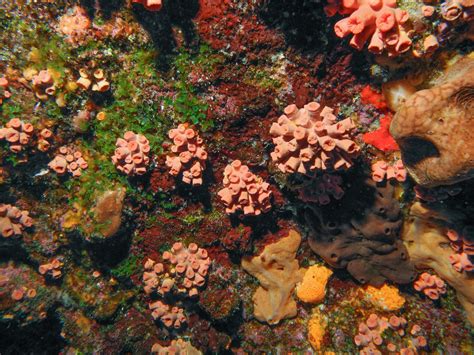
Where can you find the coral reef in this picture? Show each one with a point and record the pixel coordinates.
(131, 155)
(184, 270)
(191, 157)
(278, 272)
(13, 220)
(146, 251)
(379, 254)
(430, 129)
(17, 133)
(311, 139)
(431, 285)
(244, 191)
(68, 160)
(380, 22)
(382, 170)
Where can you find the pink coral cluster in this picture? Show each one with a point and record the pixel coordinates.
(171, 317)
(13, 221)
(244, 191)
(44, 140)
(52, 269)
(4, 93)
(75, 24)
(191, 156)
(185, 268)
(131, 154)
(311, 138)
(378, 21)
(321, 189)
(381, 170)
(151, 5)
(97, 80)
(17, 133)
(43, 85)
(431, 285)
(68, 160)
(464, 250)
(371, 332)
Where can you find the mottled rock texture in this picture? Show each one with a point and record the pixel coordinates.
(432, 129)
(424, 234)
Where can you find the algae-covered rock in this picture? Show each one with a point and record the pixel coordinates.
(108, 212)
(24, 297)
(96, 296)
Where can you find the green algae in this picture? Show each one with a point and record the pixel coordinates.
(127, 267)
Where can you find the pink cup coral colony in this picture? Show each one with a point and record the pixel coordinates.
(68, 160)
(244, 191)
(97, 81)
(371, 335)
(4, 92)
(44, 140)
(463, 246)
(378, 21)
(151, 5)
(311, 139)
(17, 133)
(171, 317)
(382, 170)
(183, 269)
(183, 272)
(132, 154)
(13, 220)
(431, 285)
(43, 85)
(189, 156)
(75, 24)
(52, 269)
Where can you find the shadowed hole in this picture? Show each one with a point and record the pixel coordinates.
(416, 149)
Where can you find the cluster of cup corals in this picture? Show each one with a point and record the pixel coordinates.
(181, 274)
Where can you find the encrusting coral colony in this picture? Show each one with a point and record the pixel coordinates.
(237, 177)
